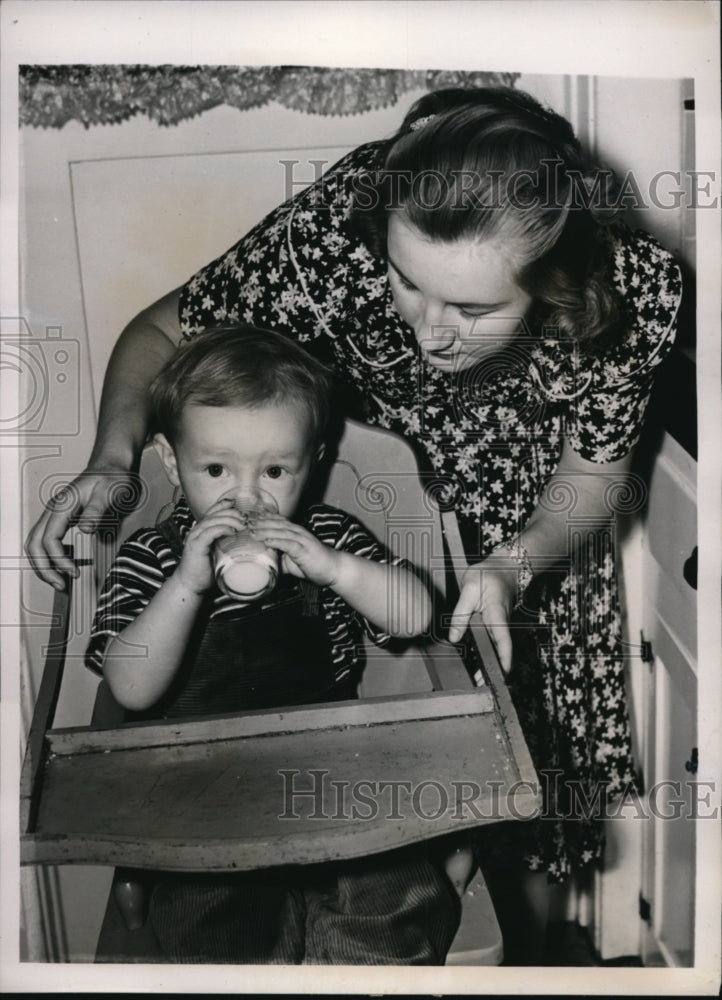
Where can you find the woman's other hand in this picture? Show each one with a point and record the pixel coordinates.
(490, 591)
(107, 485)
(85, 502)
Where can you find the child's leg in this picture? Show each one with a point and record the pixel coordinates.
(247, 919)
(521, 901)
(396, 908)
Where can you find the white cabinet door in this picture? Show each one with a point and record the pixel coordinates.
(667, 902)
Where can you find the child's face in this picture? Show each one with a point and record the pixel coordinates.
(221, 448)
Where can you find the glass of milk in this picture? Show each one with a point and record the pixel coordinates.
(245, 567)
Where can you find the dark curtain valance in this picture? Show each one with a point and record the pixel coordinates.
(50, 96)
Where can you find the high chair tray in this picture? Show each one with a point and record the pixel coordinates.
(298, 785)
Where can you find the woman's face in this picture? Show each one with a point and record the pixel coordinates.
(461, 298)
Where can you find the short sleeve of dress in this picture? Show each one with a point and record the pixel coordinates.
(292, 271)
(345, 533)
(142, 565)
(610, 392)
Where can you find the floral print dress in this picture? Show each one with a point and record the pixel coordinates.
(488, 438)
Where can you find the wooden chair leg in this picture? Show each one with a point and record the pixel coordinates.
(129, 885)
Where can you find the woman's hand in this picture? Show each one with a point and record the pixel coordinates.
(142, 349)
(303, 554)
(84, 502)
(490, 591)
(491, 587)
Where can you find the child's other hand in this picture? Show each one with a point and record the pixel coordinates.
(195, 570)
(303, 554)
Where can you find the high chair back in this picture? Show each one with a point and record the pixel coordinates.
(375, 477)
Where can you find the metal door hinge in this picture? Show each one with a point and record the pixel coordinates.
(645, 909)
(645, 650)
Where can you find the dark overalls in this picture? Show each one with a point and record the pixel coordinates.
(395, 908)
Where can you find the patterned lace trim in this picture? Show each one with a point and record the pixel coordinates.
(51, 96)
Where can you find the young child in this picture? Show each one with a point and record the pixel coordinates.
(242, 408)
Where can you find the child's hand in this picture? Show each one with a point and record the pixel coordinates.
(303, 554)
(195, 570)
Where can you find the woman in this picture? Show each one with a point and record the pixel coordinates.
(470, 283)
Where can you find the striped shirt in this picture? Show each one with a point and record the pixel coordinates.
(147, 559)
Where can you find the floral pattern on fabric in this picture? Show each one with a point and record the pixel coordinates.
(488, 439)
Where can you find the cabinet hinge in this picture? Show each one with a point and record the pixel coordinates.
(645, 650)
(645, 910)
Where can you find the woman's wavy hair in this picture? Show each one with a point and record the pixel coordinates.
(493, 163)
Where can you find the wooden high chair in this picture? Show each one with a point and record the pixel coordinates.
(174, 795)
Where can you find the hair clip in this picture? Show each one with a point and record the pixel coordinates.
(420, 122)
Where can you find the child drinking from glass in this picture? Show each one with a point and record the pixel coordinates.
(242, 412)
